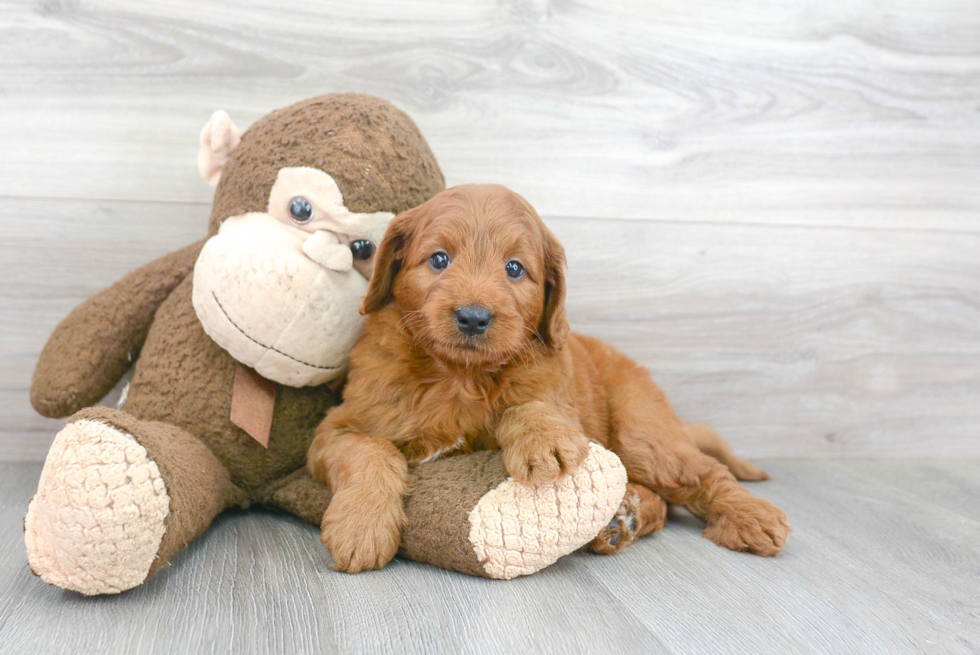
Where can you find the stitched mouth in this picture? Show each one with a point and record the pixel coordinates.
(275, 350)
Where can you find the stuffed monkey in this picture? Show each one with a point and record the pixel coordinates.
(236, 340)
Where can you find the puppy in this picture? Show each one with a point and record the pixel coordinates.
(466, 347)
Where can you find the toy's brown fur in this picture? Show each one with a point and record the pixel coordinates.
(180, 397)
(419, 388)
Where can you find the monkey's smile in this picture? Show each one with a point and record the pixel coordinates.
(259, 343)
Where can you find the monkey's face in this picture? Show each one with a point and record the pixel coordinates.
(280, 290)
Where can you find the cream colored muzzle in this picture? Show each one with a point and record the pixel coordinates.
(283, 297)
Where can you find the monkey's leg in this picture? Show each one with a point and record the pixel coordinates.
(466, 514)
(117, 498)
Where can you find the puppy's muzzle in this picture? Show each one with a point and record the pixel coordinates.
(473, 320)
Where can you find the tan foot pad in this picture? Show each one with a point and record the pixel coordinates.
(96, 522)
(518, 529)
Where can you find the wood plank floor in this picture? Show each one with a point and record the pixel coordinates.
(884, 558)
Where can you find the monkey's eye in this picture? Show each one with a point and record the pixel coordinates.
(515, 270)
(301, 210)
(362, 249)
(439, 260)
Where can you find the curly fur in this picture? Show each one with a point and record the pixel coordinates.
(419, 388)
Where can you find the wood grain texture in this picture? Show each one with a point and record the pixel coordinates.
(793, 341)
(774, 207)
(883, 559)
(842, 112)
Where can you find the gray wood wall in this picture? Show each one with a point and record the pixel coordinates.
(775, 206)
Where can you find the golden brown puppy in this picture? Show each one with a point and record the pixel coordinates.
(466, 347)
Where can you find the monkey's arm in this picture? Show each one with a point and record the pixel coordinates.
(95, 344)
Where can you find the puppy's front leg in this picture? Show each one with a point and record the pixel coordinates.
(540, 442)
(369, 479)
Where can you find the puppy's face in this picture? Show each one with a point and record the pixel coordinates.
(478, 277)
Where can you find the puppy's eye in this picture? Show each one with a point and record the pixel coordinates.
(301, 210)
(362, 249)
(514, 269)
(439, 261)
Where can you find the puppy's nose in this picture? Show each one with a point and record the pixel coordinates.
(473, 319)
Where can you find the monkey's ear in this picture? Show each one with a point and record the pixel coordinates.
(219, 138)
(389, 259)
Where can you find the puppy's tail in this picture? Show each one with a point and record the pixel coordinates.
(710, 443)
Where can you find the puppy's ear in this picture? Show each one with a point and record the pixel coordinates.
(553, 328)
(388, 261)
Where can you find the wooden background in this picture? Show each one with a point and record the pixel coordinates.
(775, 206)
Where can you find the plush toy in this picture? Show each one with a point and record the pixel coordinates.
(236, 341)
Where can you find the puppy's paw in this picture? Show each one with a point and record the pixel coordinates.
(642, 512)
(546, 457)
(621, 531)
(360, 534)
(751, 524)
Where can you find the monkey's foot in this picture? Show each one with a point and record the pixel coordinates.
(518, 529)
(98, 517)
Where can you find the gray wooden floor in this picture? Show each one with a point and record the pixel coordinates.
(884, 558)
